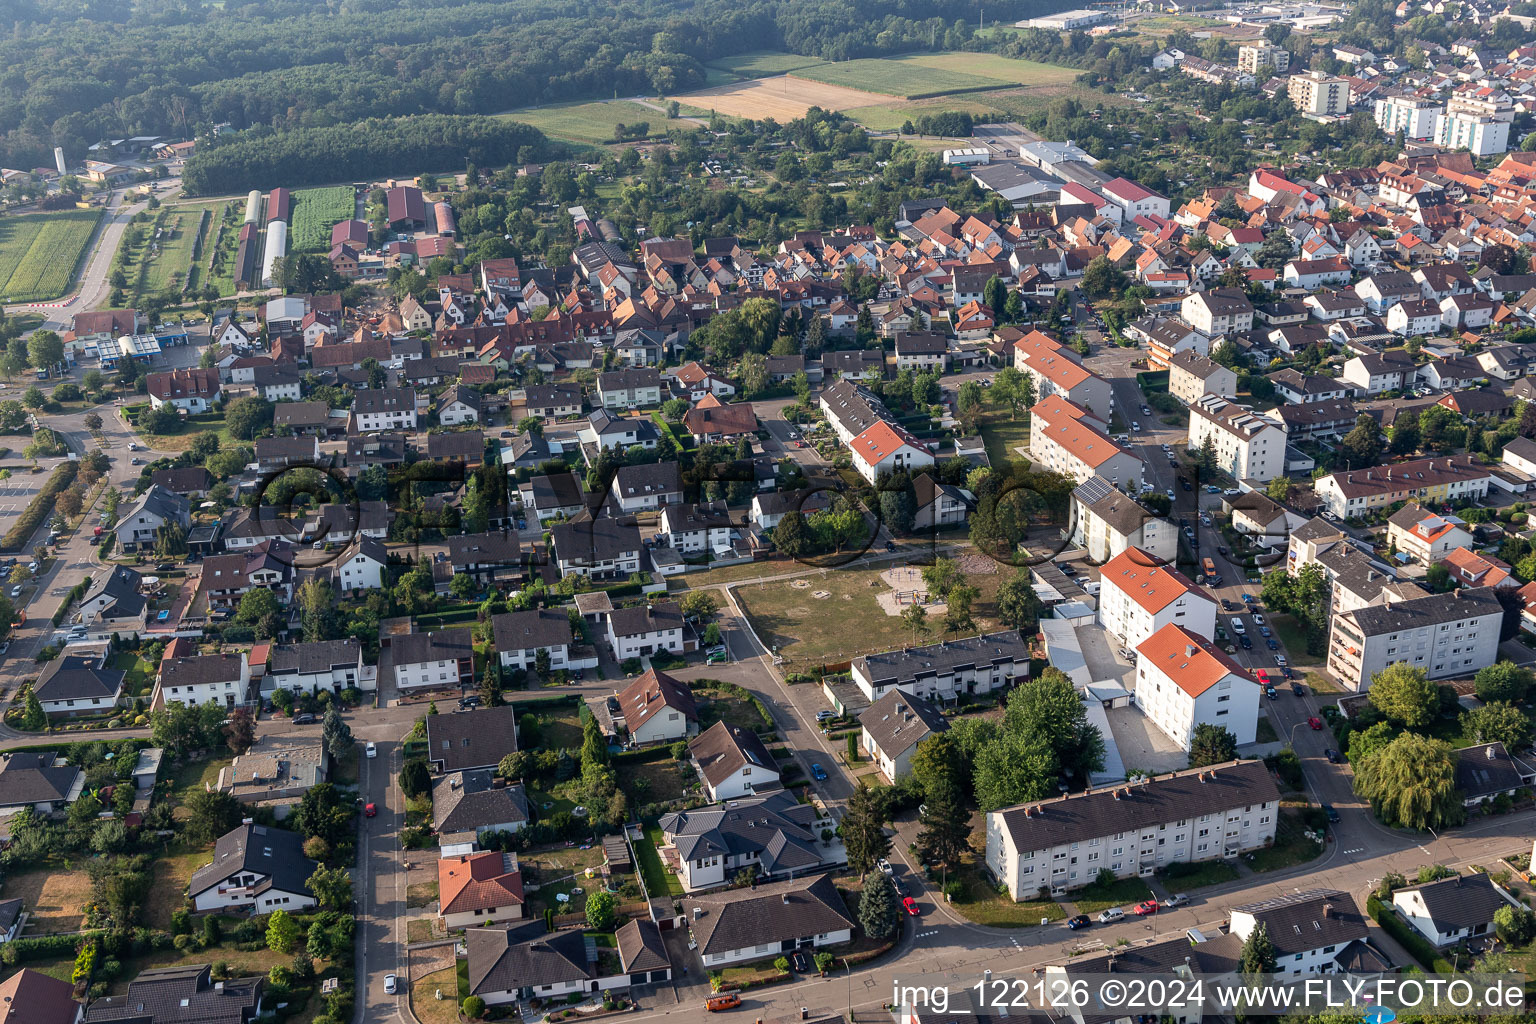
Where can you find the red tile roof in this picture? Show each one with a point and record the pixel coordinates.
(1148, 581)
(1192, 662)
(477, 881)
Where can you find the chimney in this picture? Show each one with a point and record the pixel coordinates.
(785, 898)
(1116, 795)
(698, 912)
(1327, 911)
(1201, 777)
(1189, 650)
(1488, 752)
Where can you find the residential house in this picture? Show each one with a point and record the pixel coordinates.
(655, 708)
(362, 565)
(520, 636)
(638, 488)
(1184, 681)
(1065, 438)
(1440, 480)
(555, 495)
(376, 409)
(1453, 909)
(44, 782)
(774, 835)
(731, 761)
(769, 507)
(885, 448)
(1446, 635)
(458, 405)
(1425, 536)
(486, 556)
(1255, 515)
(945, 671)
(638, 631)
(331, 665)
(140, 523)
(921, 350)
(635, 388)
(1310, 930)
(276, 772)
(939, 505)
(1218, 311)
(1192, 376)
(1140, 595)
(466, 806)
(75, 685)
(509, 964)
(255, 868)
(475, 889)
(892, 727)
(114, 604)
(553, 401)
(605, 430)
(713, 422)
(1248, 445)
(191, 390)
(184, 993)
(1106, 522)
(274, 454)
(604, 547)
(443, 660)
(32, 997)
(704, 528)
(203, 679)
(761, 922)
(476, 738)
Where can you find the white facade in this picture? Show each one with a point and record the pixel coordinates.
(1412, 116)
(456, 413)
(1250, 446)
(637, 645)
(361, 572)
(1193, 688)
(1483, 136)
(1138, 596)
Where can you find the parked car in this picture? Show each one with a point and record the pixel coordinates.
(1315, 723)
(305, 719)
(1247, 644)
(910, 905)
(372, 749)
(885, 866)
(15, 592)
(1146, 907)
(370, 810)
(1280, 660)
(389, 984)
(471, 701)
(800, 962)
(1080, 921)
(1176, 899)
(1270, 643)
(726, 1001)
(1237, 626)
(822, 716)
(1258, 620)
(1112, 914)
(818, 772)
(716, 658)
(1334, 757)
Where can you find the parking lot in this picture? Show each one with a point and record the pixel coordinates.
(17, 492)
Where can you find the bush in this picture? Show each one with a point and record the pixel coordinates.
(474, 1007)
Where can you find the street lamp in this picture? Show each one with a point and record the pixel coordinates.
(849, 971)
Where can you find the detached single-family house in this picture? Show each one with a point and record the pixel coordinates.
(43, 782)
(1452, 909)
(638, 631)
(475, 889)
(520, 636)
(467, 805)
(762, 922)
(73, 685)
(656, 708)
(893, 726)
(733, 762)
(156, 508)
(256, 868)
(477, 738)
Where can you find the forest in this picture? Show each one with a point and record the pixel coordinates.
(75, 71)
(303, 156)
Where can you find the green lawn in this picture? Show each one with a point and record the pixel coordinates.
(40, 252)
(588, 122)
(1198, 876)
(764, 62)
(1294, 638)
(980, 902)
(1002, 435)
(140, 678)
(1292, 846)
(900, 76)
(1095, 898)
(658, 880)
(169, 266)
(316, 211)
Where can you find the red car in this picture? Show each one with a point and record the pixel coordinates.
(1262, 676)
(1315, 722)
(370, 810)
(911, 905)
(1145, 907)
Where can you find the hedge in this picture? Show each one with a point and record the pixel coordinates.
(17, 536)
(45, 947)
(646, 756)
(1406, 937)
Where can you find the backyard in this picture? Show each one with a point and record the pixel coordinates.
(430, 1009)
(54, 897)
(192, 776)
(140, 674)
(1292, 844)
(172, 871)
(658, 880)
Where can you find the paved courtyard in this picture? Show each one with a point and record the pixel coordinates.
(1143, 745)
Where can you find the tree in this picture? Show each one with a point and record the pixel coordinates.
(1503, 681)
(415, 779)
(1498, 722)
(877, 908)
(335, 733)
(282, 932)
(33, 719)
(970, 397)
(994, 294)
(1258, 953)
(240, 732)
(863, 829)
(1009, 388)
(1405, 695)
(256, 604)
(1048, 706)
(1014, 768)
(46, 349)
(1515, 925)
(939, 577)
(754, 374)
(332, 887)
(700, 603)
(602, 909)
(1018, 605)
(1361, 447)
(247, 416)
(473, 1007)
(957, 612)
(1412, 782)
(490, 683)
(916, 618)
(322, 813)
(210, 815)
(791, 536)
(1211, 744)
(33, 397)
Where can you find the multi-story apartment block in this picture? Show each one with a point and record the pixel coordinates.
(1446, 635)
(1218, 311)
(1141, 594)
(942, 672)
(1431, 481)
(1106, 522)
(1482, 135)
(1192, 376)
(1315, 94)
(1249, 445)
(1051, 846)
(1184, 680)
(1263, 57)
(1063, 437)
(1414, 116)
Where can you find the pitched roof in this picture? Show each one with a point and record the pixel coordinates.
(76, 677)
(1147, 580)
(275, 854)
(1458, 902)
(1061, 422)
(486, 880)
(1191, 661)
(640, 947)
(478, 738)
(1158, 800)
(471, 800)
(1302, 921)
(524, 956)
(723, 748)
(1487, 770)
(1430, 610)
(738, 918)
(46, 1000)
(185, 994)
(640, 619)
(882, 440)
(651, 692)
(899, 720)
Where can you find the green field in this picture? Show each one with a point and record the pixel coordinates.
(587, 122)
(316, 211)
(179, 239)
(764, 62)
(902, 76)
(40, 252)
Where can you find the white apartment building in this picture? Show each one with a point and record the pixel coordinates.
(1184, 681)
(1056, 373)
(1191, 376)
(1249, 445)
(1431, 481)
(941, 672)
(1052, 846)
(1063, 438)
(1315, 94)
(1140, 595)
(1483, 136)
(1263, 56)
(1447, 635)
(376, 409)
(219, 678)
(1106, 522)
(1411, 115)
(1218, 311)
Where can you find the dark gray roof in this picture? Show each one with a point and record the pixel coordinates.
(641, 948)
(920, 343)
(690, 518)
(443, 645)
(500, 549)
(1427, 611)
(159, 501)
(321, 656)
(183, 479)
(74, 677)
(466, 801)
(805, 501)
(1316, 528)
(854, 406)
(738, 918)
(748, 826)
(459, 393)
(558, 490)
(275, 854)
(908, 665)
(301, 414)
(640, 377)
(639, 619)
(595, 540)
(370, 400)
(655, 478)
(1486, 770)
(899, 720)
(526, 631)
(33, 778)
(1459, 902)
(1120, 511)
(1102, 812)
(524, 956)
(286, 448)
(201, 668)
(10, 910)
(180, 995)
(122, 586)
(479, 738)
(456, 444)
(1311, 919)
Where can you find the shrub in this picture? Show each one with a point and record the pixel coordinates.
(474, 1007)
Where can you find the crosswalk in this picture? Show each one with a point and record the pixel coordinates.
(1358, 849)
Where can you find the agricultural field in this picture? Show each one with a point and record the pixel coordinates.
(901, 76)
(316, 211)
(179, 247)
(40, 252)
(589, 122)
(782, 98)
(764, 62)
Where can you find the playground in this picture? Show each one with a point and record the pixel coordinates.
(906, 589)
